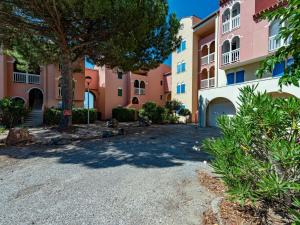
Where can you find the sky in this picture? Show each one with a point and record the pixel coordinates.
(184, 8)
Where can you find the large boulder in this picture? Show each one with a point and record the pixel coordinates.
(18, 136)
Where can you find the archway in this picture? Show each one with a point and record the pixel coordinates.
(135, 101)
(36, 99)
(216, 108)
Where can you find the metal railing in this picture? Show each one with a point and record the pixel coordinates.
(207, 83)
(235, 55)
(226, 58)
(226, 27)
(236, 21)
(26, 78)
(212, 82)
(211, 57)
(139, 91)
(274, 43)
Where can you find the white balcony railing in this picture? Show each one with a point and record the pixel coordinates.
(236, 21)
(235, 55)
(204, 60)
(211, 57)
(226, 27)
(274, 43)
(226, 58)
(207, 83)
(139, 91)
(26, 78)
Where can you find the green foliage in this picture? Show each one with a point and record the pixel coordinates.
(258, 153)
(173, 105)
(184, 112)
(124, 114)
(289, 17)
(153, 112)
(80, 116)
(2, 130)
(11, 112)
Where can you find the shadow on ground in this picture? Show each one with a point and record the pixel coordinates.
(163, 146)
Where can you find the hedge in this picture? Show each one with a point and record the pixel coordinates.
(79, 116)
(124, 114)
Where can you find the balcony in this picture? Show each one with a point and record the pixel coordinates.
(236, 22)
(231, 57)
(226, 27)
(207, 83)
(275, 43)
(204, 60)
(26, 78)
(139, 91)
(211, 57)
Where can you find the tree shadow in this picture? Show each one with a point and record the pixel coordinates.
(154, 150)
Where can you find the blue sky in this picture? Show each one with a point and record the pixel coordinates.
(200, 8)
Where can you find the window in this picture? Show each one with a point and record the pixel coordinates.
(178, 68)
(120, 75)
(240, 76)
(183, 88)
(230, 78)
(183, 67)
(120, 92)
(178, 89)
(182, 46)
(161, 97)
(161, 83)
(135, 101)
(279, 69)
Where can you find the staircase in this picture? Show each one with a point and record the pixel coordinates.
(34, 118)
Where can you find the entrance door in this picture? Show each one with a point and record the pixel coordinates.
(35, 99)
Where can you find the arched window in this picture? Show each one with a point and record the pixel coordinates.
(212, 72)
(226, 47)
(226, 52)
(204, 51)
(274, 28)
(142, 85)
(274, 42)
(212, 47)
(226, 21)
(89, 100)
(136, 84)
(204, 74)
(236, 9)
(135, 101)
(235, 43)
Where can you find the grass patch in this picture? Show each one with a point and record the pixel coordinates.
(2, 130)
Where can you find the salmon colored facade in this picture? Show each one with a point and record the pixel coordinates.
(40, 90)
(109, 88)
(112, 88)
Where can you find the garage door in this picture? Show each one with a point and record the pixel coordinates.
(216, 109)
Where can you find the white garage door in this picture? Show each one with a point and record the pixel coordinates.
(217, 109)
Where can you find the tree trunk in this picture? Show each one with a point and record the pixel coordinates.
(67, 92)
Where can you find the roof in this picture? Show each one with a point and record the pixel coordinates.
(209, 17)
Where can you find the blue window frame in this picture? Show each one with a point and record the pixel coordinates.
(178, 68)
(279, 69)
(230, 78)
(240, 77)
(183, 88)
(178, 89)
(183, 67)
(183, 46)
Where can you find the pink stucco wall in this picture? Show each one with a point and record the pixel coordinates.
(253, 35)
(168, 82)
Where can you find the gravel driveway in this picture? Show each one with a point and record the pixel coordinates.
(146, 178)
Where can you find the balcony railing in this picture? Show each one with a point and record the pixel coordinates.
(231, 57)
(26, 78)
(226, 27)
(236, 21)
(275, 43)
(204, 60)
(226, 58)
(139, 91)
(207, 83)
(211, 57)
(235, 55)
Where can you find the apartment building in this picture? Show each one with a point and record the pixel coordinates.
(231, 44)
(41, 89)
(112, 88)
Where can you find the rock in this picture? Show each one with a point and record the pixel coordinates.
(112, 123)
(59, 141)
(17, 136)
(144, 122)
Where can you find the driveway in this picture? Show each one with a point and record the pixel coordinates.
(146, 178)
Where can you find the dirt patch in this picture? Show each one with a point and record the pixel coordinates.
(213, 184)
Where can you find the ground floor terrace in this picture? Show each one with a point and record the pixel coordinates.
(218, 101)
(146, 177)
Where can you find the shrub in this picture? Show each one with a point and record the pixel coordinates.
(173, 105)
(11, 112)
(153, 112)
(258, 153)
(124, 114)
(79, 116)
(184, 112)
